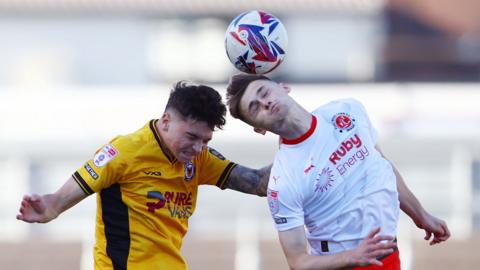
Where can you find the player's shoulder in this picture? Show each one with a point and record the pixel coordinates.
(210, 154)
(347, 101)
(119, 147)
(127, 141)
(283, 171)
(344, 104)
(284, 183)
(131, 143)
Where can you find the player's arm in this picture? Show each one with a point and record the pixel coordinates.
(41, 209)
(249, 180)
(411, 206)
(294, 246)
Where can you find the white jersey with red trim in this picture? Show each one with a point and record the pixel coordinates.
(334, 181)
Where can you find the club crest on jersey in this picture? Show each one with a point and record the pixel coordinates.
(343, 122)
(272, 196)
(189, 171)
(104, 156)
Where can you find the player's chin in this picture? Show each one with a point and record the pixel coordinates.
(186, 156)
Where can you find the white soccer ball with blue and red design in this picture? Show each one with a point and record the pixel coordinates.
(256, 42)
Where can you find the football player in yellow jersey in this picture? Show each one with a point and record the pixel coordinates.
(147, 181)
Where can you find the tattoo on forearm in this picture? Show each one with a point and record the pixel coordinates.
(248, 180)
(264, 176)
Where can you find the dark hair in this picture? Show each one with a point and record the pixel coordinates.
(236, 88)
(198, 102)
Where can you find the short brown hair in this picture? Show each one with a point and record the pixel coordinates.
(236, 88)
(198, 102)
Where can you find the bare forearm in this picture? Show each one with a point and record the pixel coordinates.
(294, 245)
(331, 262)
(408, 202)
(69, 195)
(264, 174)
(64, 198)
(52, 207)
(372, 247)
(249, 181)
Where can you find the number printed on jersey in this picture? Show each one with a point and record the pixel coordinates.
(104, 156)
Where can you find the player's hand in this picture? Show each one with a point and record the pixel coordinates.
(371, 248)
(36, 208)
(434, 227)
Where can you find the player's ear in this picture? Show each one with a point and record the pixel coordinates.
(260, 130)
(285, 87)
(165, 120)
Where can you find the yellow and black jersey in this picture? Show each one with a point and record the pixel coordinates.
(144, 199)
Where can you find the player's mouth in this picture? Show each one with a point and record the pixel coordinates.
(190, 154)
(274, 108)
(186, 156)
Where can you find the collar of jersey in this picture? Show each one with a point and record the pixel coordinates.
(305, 136)
(163, 146)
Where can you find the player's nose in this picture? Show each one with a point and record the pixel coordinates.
(197, 147)
(266, 104)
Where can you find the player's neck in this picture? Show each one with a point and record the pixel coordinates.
(296, 124)
(164, 140)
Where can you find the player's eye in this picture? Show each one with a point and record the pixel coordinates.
(254, 108)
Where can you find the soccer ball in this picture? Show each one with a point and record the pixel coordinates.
(256, 42)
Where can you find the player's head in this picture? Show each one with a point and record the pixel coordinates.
(191, 115)
(259, 101)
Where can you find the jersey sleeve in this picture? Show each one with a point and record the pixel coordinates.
(358, 107)
(214, 168)
(284, 201)
(104, 169)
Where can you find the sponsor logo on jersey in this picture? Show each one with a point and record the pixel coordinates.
(152, 206)
(344, 148)
(353, 159)
(189, 171)
(343, 122)
(216, 153)
(324, 180)
(92, 173)
(273, 201)
(104, 156)
(344, 159)
(178, 204)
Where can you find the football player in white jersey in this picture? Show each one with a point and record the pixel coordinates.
(330, 184)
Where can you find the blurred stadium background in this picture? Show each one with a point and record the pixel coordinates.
(75, 73)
